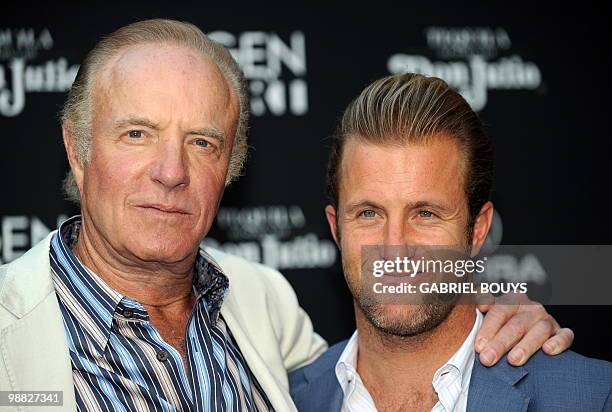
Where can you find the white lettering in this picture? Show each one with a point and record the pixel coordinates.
(13, 239)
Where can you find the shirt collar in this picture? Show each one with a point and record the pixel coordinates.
(89, 297)
(449, 381)
(463, 359)
(348, 360)
(452, 379)
(348, 378)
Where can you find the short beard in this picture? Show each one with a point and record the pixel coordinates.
(423, 318)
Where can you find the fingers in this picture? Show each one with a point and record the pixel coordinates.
(509, 334)
(532, 341)
(523, 329)
(561, 341)
(494, 320)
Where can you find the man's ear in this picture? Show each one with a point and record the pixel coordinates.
(76, 164)
(482, 224)
(332, 221)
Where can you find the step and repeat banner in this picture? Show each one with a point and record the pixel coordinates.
(539, 80)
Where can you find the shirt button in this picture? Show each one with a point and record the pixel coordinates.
(128, 313)
(162, 355)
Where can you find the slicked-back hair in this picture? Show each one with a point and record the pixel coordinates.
(412, 108)
(77, 112)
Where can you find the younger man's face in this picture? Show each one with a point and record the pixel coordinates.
(401, 196)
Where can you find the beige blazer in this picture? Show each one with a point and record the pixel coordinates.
(273, 332)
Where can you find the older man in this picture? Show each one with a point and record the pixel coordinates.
(120, 309)
(412, 168)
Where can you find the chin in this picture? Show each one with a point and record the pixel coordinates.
(405, 320)
(166, 250)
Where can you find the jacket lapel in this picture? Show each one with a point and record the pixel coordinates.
(320, 379)
(33, 346)
(35, 363)
(272, 387)
(493, 389)
(329, 393)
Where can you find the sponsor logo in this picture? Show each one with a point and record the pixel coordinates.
(275, 68)
(19, 77)
(20, 233)
(274, 236)
(471, 60)
(525, 267)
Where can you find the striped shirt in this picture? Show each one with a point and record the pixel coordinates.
(450, 382)
(120, 361)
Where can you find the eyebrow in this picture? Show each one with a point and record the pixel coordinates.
(351, 207)
(427, 204)
(211, 132)
(136, 121)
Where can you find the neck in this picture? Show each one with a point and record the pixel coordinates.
(391, 364)
(153, 284)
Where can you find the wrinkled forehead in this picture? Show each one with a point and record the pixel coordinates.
(174, 67)
(164, 82)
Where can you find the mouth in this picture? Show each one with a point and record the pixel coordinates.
(168, 209)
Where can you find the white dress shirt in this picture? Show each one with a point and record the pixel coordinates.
(451, 381)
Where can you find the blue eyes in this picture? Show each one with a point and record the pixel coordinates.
(426, 214)
(138, 134)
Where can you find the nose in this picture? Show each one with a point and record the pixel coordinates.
(170, 168)
(395, 231)
(394, 237)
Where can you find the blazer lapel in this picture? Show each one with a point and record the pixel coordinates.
(492, 389)
(329, 393)
(33, 346)
(279, 398)
(35, 353)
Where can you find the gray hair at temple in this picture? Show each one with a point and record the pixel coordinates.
(76, 115)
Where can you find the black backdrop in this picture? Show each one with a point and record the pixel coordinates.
(538, 78)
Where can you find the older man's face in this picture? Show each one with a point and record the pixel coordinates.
(163, 127)
(399, 195)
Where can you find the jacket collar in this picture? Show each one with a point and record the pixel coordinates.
(320, 378)
(490, 388)
(233, 313)
(31, 363)
(27, 280)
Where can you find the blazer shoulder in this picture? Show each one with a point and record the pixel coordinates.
(578, 364)
(567, 380)
(26, 281)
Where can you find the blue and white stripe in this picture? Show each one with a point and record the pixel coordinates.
(121, 363)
